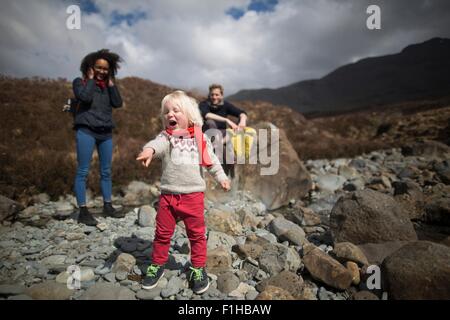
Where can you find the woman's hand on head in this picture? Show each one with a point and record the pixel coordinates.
(111, 81)
(226, 185)
(90, 73)
(146, 156)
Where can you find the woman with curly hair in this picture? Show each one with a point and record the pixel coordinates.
(96, 95)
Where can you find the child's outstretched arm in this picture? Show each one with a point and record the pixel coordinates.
(155, 147)
(146, 156)
(216, 169)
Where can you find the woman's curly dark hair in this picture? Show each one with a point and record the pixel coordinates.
(89, 61)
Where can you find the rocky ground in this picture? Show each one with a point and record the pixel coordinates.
(389, 208)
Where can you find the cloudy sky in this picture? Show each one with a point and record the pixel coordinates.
(189, 44)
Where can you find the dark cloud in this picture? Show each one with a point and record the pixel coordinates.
(189, 44)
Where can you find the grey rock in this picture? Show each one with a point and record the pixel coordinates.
(182, 245)
(49, 290)
(107, 291)
(148, 294)
(147, 216)
(102, 270)
(324, 294)
(276, 257)
(261, 275)
(266, 235)
(129, 246)
(227, 282)
(286, 230)
(11, 289)
(54, 260)
(219, 239)
(330, 182)
(124, 262)
(110, 277)
(251, 295)
(20, 297)
(121, 275)
(162, 283)
(357, 163)
(174, 286)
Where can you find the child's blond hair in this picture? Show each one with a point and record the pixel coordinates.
(187, 104)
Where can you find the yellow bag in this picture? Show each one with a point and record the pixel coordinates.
(242, 141)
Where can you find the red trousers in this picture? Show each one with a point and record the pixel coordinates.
(189, 208)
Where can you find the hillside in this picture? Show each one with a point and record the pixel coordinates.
(418, 72)
(38, 145)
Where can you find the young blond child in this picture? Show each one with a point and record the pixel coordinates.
(185, 152)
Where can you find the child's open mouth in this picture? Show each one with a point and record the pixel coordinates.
(172, 123)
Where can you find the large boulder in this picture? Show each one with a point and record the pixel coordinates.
(326, 269)
(291, 180)
(8, 208)
(370, 216)
(419, 270)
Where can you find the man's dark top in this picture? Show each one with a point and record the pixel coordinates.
(222, 110)
(94, 115)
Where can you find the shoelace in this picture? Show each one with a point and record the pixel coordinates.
(152, 270)
(197, 273)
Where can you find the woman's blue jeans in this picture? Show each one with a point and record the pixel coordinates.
(85, 149)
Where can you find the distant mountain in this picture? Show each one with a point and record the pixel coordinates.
(420, 71)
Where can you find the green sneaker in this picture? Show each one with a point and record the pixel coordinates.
(154, 273)
(199, 280)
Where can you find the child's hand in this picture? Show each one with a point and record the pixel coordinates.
(226, 185)
(232, 125)
(146, 156)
